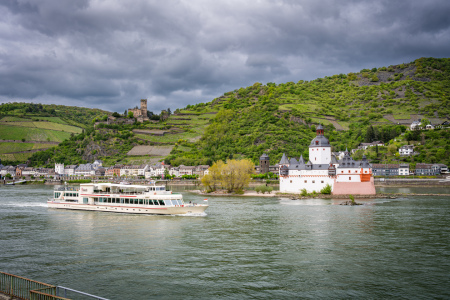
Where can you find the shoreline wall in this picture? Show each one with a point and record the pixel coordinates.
(354, 188)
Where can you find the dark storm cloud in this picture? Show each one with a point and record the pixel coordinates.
(110, 54)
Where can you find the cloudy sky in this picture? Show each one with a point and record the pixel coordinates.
(109, 54)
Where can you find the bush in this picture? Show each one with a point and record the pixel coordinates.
(304, 192)
(326, 189)
(263, 189)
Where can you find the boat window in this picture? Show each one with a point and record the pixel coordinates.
(127, 201)
(161, 202)
(141, 201)
(168, 202)
(155, 202)
(85, 200)
(180, 202)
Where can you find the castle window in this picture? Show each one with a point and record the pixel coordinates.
(365, 171)
(291, 181)
(342, 171)
(306, 181)
(317, 142)
(314, 181)
(356, 171)
(349, 171)
(349, 178)
(321, 181)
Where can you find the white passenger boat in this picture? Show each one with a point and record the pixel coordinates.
(123, 198)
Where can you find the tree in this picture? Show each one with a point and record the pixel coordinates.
(424, 122)
(130, 114)
(392, 149)
(232, 176)
(236, 174)
(370, 134)
(212, 180)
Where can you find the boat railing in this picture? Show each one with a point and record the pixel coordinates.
(24, 288)
(17, 287)
(66, 188)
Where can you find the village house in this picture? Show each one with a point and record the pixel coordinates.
(406, 150)
(28, 171)
(11, 170)
(186, 170)
(85, 170)
(390, 169)
(415, 125)
(425, 169)
(364, 146)
(200, 170)
(156, 170)
(70, 170)
(175, 171)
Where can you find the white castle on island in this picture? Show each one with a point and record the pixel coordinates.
(345, 176)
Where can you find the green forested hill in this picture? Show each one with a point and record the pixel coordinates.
(27, 128)
(373, 104)
(280, 118)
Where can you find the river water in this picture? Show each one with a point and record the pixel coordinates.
(244, 248)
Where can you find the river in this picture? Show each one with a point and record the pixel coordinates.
(244, 248)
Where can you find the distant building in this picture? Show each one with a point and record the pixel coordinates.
(385, 169)
(364, 146)
(59, 169)
(140, 113)
(406, 150)
(415, 125)
(264, 163)
(428, 169)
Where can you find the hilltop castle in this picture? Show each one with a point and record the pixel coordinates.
(346, 176)
(140, 113)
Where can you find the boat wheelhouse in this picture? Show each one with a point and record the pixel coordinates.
(123, 198)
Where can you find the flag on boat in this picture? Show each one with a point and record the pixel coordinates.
(205, 199)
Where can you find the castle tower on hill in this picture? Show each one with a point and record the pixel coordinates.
(140, 113)
(144, 106)
(346, 176)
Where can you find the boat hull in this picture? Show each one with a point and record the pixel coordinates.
(169, 210)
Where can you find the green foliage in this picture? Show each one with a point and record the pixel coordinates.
(263, 189)
(326, 190)
(304, 192)
(352, 199)
(189, 176)
(79, 181)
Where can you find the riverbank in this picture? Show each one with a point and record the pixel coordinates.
(320, 196)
